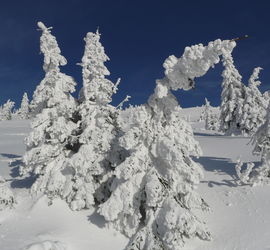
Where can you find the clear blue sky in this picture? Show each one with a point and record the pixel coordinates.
(137, 36)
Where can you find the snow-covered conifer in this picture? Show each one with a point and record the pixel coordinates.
(6, 110)
(266, 97)
(254, 106)
(48, 145)
(202, 115)
(261, 141)
(211, 119)
(91, 166)
(23, 112)
(207, 114)
(232, 97)
(154, 198)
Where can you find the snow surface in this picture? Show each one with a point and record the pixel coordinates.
(239, 216)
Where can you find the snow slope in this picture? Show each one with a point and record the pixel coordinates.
(239, 217)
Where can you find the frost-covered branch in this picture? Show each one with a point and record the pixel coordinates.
(120, 105)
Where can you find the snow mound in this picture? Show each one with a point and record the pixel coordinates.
(47, 245)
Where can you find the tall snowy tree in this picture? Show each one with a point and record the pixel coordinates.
(254, 106)
(91, 166)
(23, 112)
(232, 97)
(6, 110)
(48, 145)
(154, 198)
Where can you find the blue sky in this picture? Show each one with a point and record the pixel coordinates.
(137, 35)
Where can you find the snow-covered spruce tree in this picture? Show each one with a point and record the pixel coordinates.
(232, 97)
(207, 114)
(202, 115)
(91, 166)
(154, 198)
(48, 145)
(6, 110)
(254, 106)
(23, 112)
(211, 119)
(261, 141)
(266, 97)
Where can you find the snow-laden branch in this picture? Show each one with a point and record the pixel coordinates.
(195, 62)
(253, 80)
(49, 47)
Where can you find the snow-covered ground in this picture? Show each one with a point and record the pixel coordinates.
(239, 217)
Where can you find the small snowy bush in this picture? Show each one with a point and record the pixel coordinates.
(6, 111)
(7, 199)
(23, 112)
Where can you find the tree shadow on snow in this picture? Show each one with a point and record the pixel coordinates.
(18, 181)
(206, 134)
(221, 166)
(14, 168)
(226, 136)
(97, 219)
(11, 156)
(25, 182)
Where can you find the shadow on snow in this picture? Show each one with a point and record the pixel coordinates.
(220, 166)
(17, 181)
(11, 156)
(206, 134)
(225, 136)
(97, 219)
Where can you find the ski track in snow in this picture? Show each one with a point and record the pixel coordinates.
(239, 217)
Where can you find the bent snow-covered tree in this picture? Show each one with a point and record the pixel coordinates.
(48, 144)
(23, 112)
(232, 97)
(254, 106)
(91, 166)
(154, 198)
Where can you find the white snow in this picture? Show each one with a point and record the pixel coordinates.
(239, 217)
